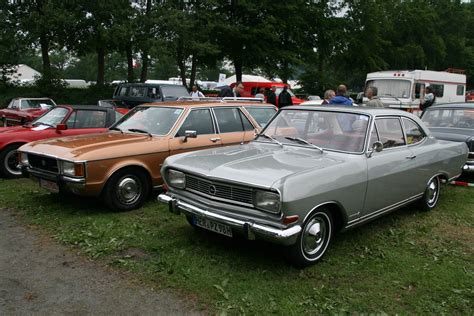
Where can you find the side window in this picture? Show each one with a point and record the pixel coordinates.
(199, 121)
(418, 88)
(229, 120)
(14, 104)
(414, 132)
(90, 119)
(438, 90)
(460, 90)
(71, 121)
(374, 136)
(390, 132)
(247, 125)
(123, 91)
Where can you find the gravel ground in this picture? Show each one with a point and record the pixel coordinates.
(38, 276)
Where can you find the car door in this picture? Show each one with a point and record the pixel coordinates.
(389, 172)
(199, 120)
(85, 122)
(233, 126)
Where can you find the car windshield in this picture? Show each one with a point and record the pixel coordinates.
(52, 118)
(153, 120)
(328, 130)
(457, 118)
(36, 104)
(174, 92)
(261, 114)
(391, 87)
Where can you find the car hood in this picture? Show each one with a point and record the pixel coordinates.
(255, 163)
(456, 135)
(96, 146)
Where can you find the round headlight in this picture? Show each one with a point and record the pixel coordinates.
(267, 201)
(176, 179)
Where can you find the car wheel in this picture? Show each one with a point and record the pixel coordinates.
(126, 190)
(9, 162)
(313, 240)
(431, 195)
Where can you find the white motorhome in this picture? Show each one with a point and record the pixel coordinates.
(403, 88)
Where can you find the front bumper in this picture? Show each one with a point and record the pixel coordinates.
(74, 185)
(250, 229)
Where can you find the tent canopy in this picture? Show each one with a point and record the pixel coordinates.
(245, 78)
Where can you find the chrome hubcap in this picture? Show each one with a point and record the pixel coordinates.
(129, 190)
(432, 193)
(11, 163)
(314, 235)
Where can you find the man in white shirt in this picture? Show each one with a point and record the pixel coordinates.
(195, 93)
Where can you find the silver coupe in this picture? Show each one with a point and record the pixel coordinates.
(311, 172)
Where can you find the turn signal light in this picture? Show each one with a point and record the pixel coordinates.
(290, 219)
(79, 170)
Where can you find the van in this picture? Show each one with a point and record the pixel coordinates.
(133, 94)
(252, 88)
(403, 89)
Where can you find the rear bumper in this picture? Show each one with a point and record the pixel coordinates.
(249, 228)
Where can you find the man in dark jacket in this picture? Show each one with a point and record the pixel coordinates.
(228, 92)
(284, 99)
(271, 96)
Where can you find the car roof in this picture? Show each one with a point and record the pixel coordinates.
(206, 103)
(464, 105)
(26, 98)
(84, 107)
(353, 109)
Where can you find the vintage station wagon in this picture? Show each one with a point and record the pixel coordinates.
(311, 172)
(123, 165)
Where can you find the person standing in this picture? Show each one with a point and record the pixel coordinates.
(284, 99)
(429, 99)
(260, 94)
(271, 96)
(374, 100)
(340, 98)
(195, 93)
(328, 95)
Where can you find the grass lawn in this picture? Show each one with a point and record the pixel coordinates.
(406, 262)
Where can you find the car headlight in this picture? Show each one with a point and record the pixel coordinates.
(267, 201)
(73, 169)
(23, 159)
(176, 179)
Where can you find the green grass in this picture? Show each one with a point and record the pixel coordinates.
(408, 262)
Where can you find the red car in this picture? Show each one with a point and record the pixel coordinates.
(23, 110)
(470, 96)
(60, 121)
(252, 88)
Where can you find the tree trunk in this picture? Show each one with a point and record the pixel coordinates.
(192, 79)
(130, 74)
(238, 69)
(144, 73)
(181, 61)
(44, 42)
(100, 66)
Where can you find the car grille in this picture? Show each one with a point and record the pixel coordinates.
(219, 190)
(43, 163)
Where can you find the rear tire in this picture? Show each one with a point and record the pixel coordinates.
(9, 162)
(313, 240)
(127, 189)
(431, 196)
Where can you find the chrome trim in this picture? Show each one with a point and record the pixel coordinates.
(383, 211)
(250, 229)
(468, 168)
(73, 180)
(454, 178)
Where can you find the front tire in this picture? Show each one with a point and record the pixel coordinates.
(127, 189)
(9, 162)
(431, 196)
(313, 240)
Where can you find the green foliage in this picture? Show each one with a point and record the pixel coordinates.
(408, 262)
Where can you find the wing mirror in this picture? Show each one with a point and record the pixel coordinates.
(376, 147)
(189, 134)
(61, 127)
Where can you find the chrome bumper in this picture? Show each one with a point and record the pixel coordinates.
(250, 230)
(70, 183)
(468, 168)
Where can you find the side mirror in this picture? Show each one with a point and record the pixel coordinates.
(189, 134)
(376, 147)
(61, 127)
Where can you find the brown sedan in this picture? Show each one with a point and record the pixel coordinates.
(123, 165)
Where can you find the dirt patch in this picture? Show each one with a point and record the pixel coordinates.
(38, 276)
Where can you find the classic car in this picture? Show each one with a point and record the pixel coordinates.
(62, 120)
(311, 172)
(133, 94)
(123, 165)
(454, 122)
(23, 110)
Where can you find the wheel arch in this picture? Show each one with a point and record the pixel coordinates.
(140, 167)
(337, 211)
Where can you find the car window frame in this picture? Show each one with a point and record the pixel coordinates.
(188, 112)
(399, 117)
(239, 109)
(405, 133)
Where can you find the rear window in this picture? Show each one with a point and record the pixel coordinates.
(261, 114)
(174, 92)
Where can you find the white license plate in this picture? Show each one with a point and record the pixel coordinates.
(213, 226)
(49, 185)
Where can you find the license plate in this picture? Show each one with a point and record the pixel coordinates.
(213, 226)
(49, 185)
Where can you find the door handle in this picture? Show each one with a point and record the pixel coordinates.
(215, 139)
(411, 157)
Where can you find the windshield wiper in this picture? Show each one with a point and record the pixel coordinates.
(137, 130)
(271, 138)
(116, 129)
(302, 141)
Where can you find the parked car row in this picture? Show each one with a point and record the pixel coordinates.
(294, 178)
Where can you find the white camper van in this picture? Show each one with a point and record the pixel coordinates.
(403, 88)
